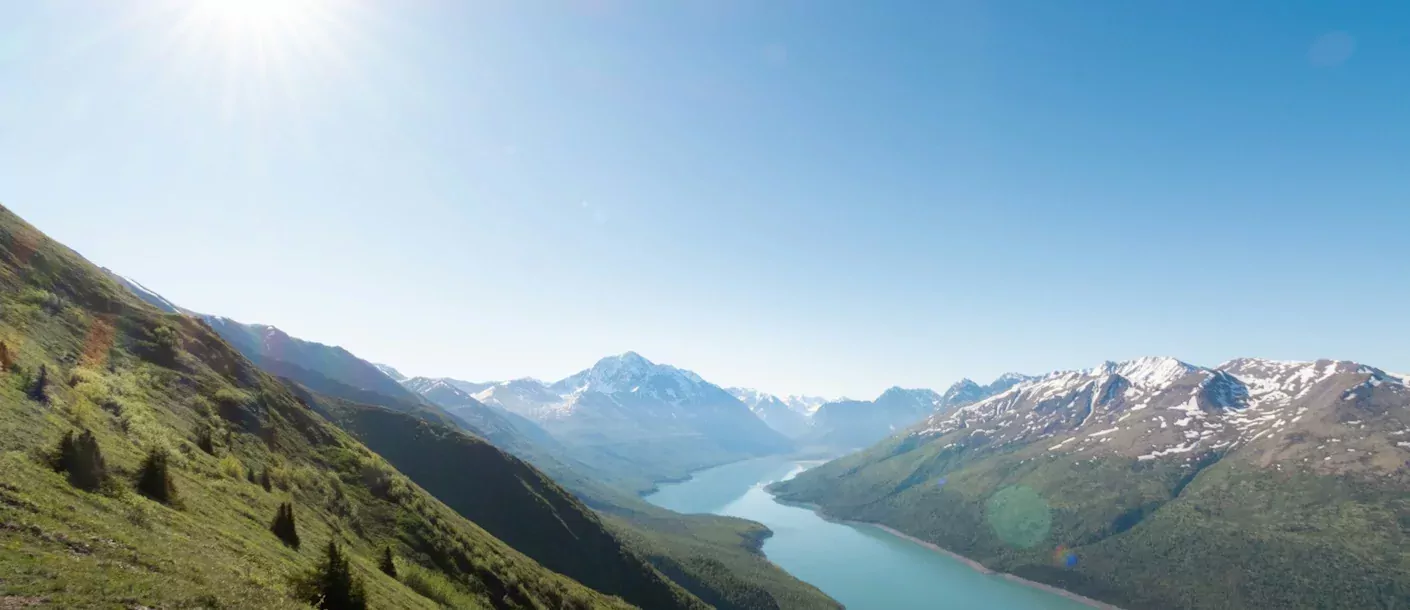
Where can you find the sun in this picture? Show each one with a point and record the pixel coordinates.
(256, 15)
(261, 58)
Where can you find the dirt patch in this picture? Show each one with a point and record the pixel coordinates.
(15, 602)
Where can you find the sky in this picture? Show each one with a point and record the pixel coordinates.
(820, 197)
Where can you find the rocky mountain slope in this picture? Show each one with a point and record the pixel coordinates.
(1252, 484)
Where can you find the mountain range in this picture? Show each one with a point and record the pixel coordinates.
(1251, 484)
(845, 424)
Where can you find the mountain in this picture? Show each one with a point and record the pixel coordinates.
(656, 415)
(789, 421)
(851, 424)
(1252, 484)
(803, 404)
(966, 391)
(137, 383)
(390, 372)
(273, 349)
(146, 294)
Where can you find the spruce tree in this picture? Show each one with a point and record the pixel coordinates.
(284, 527)
(334, 586)
(388, 563)
(250, 476)
(204, 440)
(154, 478)
(80, 458)
(36, 391)
(264, 479)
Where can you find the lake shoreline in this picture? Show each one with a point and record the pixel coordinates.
(972, 564)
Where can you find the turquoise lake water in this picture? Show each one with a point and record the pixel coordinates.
(861, 566)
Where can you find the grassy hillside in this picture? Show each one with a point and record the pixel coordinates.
(142, 382)
(1215, 531)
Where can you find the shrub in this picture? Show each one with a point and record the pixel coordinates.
(435, 587)
(284, 527)
(81, 459)
(388, 564)
(154, 478)
(231, 467)
(333, 586)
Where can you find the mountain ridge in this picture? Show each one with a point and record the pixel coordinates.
(1155, 473)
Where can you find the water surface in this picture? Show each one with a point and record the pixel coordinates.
(861, 566)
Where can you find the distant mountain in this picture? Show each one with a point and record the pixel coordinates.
(1156, 474)
(271, 347)
(788, 421)
(651, 414)
(803, 404)
(390, 372)
(852, 424)
(966, 391)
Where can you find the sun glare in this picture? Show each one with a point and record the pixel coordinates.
(255, 14)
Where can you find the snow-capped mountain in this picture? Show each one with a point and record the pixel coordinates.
(850, 424)
(966, 391)
(389, 371)
(789, 420)
(641, 409)
(803, 404)
(1327, 414)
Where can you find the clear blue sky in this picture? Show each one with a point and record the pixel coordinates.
(803, 196)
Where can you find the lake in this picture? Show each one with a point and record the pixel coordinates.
(861, 566)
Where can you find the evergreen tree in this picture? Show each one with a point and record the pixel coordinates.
(388, 563)
(284, 527)
(250, 476)
(7, 361)
(334, 586)
(36, 391)
(80, 458)
(204, 440)
(264, 479)
(154, 478)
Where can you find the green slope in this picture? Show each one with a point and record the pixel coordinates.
(142, 380)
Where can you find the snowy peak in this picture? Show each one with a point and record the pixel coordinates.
(1150, 371)
(899, 397)
(630, 373)
(390, 372)
(1163, 408)
(966, 391)
(1008, 380)
(804, 404)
